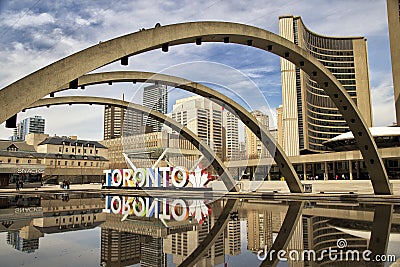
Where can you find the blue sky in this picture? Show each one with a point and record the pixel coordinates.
(37, 33)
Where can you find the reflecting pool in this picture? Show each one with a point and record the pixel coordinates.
(103, 230)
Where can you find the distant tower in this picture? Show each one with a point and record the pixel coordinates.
(254, 146)
(281, 131)
(155, 97)
(29, 125)
(231, 135)
(309, 116)
(393, 9)
(204, 118)
(119, 121)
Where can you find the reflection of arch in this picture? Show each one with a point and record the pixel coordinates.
(27, 90)
(381, 227)
(281, 159)
(286, 231)
(185, 132)
(212, 236)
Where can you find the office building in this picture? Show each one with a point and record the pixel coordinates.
(155, 97)
(119, 248)
(29, 125)
(233, 235)
(280, 132)
(309, 116)
(254, 147)
(119, 122)
(231, 127)
(204, 118)
(393, 9)
(259, 230)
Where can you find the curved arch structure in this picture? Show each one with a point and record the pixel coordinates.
(185, 132)
(33, 87)
(263, 134)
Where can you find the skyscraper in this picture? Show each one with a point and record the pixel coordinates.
(230, 124)
(119, 121)
(119, 248)
(309, 116)
(393, 9)
(29, 125)
(155, 97)
(254, 147)
(204, 118)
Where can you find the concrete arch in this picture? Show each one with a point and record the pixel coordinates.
(27, 90)
(275, 149)
(208, 153)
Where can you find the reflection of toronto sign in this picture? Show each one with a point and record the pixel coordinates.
(159, 208)
(158, 177)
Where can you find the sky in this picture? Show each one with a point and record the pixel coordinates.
(36, 33)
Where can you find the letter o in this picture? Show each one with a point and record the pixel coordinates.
(175, 181)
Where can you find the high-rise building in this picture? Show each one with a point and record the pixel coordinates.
(309, 116)
(259, 230)
(254, 146)
(29, 125)
(393, 9)
(182, 244)
(27, 245)
(119, 122)
(280, 130)
(204, 118)
(155, 97)
(231, 135)
(119, 248)
(233, 235)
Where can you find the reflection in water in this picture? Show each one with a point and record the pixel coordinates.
(233, 232)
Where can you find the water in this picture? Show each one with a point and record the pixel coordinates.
(89, 230)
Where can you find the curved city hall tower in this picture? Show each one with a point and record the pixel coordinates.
(393, 9)
(309, 116)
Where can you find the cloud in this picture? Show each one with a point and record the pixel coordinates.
(27, 19)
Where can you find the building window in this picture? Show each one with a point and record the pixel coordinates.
(60, 149)
(85, 163)
(70, 219)
(17, 161)
(57, 221)
(65, 163)
(73, 150)
(72, 163)
(91, 151)
(51, 162)
(66, 150)
(38, 161)
(84, 150)
(97, 152)
(9, 160)
(79, 150)
(79, 163)
(91, 164)
(97, 164)
(59, 163)
(29, 161)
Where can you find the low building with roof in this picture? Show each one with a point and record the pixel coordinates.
(42, 157)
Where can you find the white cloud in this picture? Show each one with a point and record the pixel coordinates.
(27, 19)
